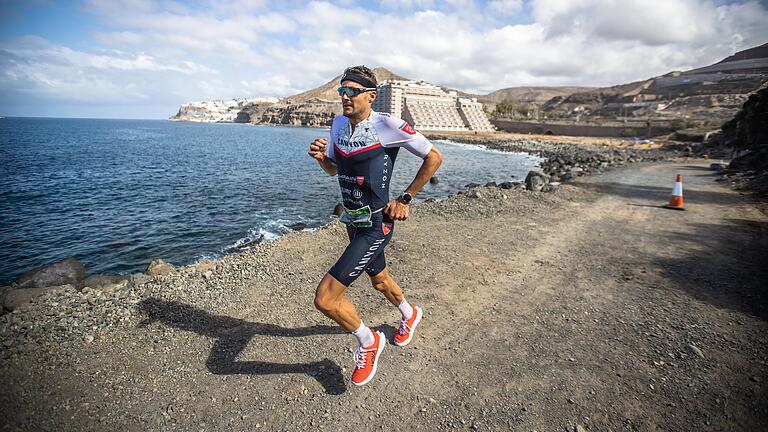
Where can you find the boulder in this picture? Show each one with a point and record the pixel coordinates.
(67, 272)
(245, 246)
(21, 296)
(139, 279)
(159, 267)
(491, 184)
(534, 181)
(104, 281)
(474, 193)
(549, 187)
(298, 226)
(338, 210)
(717, 167)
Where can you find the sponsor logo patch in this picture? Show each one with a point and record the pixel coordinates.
(407, 129)
(357, 193)
(360, 180)
(386, 228)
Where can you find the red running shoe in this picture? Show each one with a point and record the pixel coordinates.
(367, 359)
(405, 332)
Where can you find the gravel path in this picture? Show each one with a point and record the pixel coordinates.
(586, 308)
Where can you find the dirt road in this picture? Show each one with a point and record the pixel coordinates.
(589, 306)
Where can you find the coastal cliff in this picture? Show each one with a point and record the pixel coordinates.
(216, 111)
(313, 113)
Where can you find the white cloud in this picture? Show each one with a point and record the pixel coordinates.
(506, 7)
(170, 52)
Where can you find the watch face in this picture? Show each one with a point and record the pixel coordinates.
(406, 198)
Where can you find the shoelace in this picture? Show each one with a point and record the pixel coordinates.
(403, 327)
(361, 357)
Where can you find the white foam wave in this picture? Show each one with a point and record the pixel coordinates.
(483, 148)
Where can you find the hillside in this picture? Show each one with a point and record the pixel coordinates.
(747, 54)
(537, 95)
(327, 91)
(704, 97)
(314, 108)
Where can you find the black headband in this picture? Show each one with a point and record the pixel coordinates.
(352, 75)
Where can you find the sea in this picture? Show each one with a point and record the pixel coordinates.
(116, 194)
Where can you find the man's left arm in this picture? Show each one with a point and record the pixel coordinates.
(400, 211)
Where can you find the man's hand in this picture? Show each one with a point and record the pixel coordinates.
(317, 149)
(397, 210)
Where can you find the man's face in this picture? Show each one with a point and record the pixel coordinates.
(358, 105)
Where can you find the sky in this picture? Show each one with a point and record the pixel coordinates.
(142, 59)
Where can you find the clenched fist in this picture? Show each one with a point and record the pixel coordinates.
(397, 210)
(317, 149)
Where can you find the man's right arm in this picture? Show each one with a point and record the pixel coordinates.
(317, 150)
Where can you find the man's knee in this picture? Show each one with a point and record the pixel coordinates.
(327, 295)
(324, 303)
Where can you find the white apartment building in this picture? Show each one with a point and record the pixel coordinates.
(428, 108)
(216, 110)
(472, 114)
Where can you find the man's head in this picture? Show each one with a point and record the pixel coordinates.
(357, 91)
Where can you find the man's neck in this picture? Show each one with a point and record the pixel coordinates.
(357, 119)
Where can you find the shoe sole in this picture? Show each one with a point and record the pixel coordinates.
(382, 344)
(419, 316)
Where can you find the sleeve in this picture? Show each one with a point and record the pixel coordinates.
(397, 133)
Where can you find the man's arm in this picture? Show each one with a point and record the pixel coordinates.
(399, 211)
(317, 150)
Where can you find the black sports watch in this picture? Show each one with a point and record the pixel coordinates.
(405, 198)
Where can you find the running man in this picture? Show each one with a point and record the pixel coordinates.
(362, 152)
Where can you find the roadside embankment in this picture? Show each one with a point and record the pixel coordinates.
(58, 304)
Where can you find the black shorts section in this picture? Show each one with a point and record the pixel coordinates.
(365, 252)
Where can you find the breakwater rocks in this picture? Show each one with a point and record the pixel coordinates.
(51, 322)
(566, 161)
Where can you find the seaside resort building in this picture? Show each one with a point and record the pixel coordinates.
(428, 108)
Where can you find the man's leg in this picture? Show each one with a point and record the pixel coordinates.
(411, 316)
(331, 301)
(383, 283)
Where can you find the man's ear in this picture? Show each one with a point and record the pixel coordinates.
(373, 96)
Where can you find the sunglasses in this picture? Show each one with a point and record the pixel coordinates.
(353, 91)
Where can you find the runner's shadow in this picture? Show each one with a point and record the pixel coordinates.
(389, 332)
(233, 335)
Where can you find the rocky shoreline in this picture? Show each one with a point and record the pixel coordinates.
(51, 310)
(566, 161)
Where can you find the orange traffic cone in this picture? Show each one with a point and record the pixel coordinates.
(676, 200)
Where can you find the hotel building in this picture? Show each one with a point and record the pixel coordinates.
(427, 107)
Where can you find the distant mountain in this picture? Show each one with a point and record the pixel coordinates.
(536, 95)
(327, 91)
(315, 107)
(703, 97)
(748, 54)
